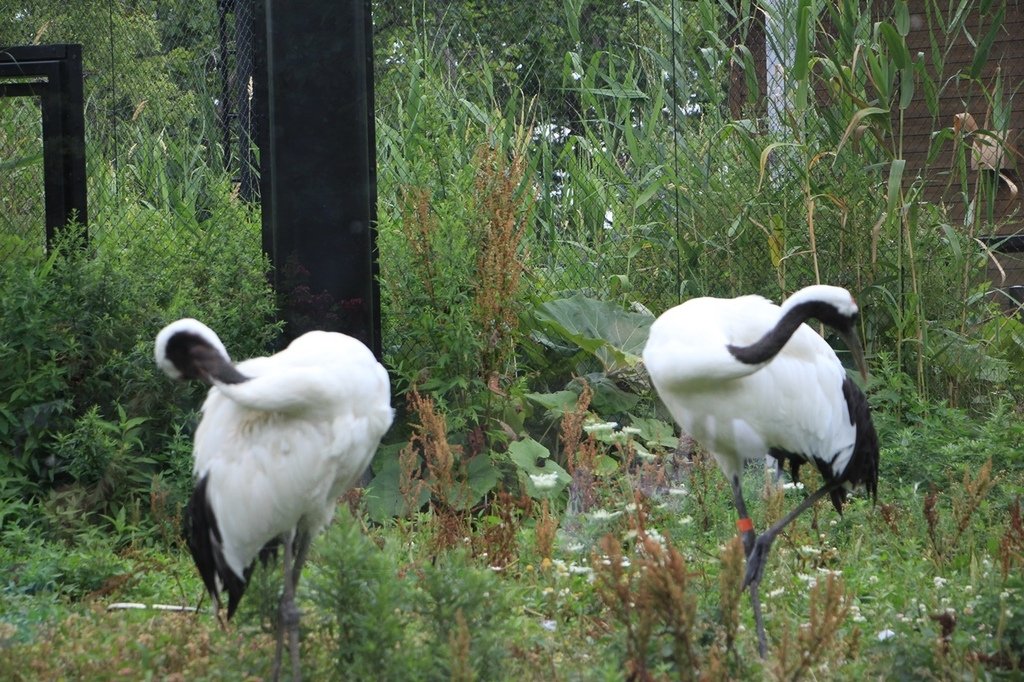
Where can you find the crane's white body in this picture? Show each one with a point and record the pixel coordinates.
(277, 450)
(794, 403)
(280, 439)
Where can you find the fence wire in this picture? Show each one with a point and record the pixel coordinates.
(652, 127)
(168, 132)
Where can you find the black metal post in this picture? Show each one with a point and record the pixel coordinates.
(317, 163)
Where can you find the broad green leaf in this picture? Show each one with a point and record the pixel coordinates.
(655, 432)
(534, 463)
(608, 398)
(614, 336)
(801, 63)
(985, 45)
(898, 51)
(901, 17)
(605, 465)
(384, 498)
(481, 477)
(556, 404)
(906, 87)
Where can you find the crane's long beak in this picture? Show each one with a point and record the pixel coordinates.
(852, 341)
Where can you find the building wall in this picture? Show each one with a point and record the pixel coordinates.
(959, 96)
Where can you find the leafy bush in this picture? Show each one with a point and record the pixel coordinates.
(83, 403)
(391, 623)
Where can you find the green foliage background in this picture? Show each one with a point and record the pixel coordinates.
(643, 184)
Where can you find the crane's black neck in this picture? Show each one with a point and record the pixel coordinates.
(195, 358)
(769, 345)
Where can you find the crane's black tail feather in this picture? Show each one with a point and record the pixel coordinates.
(201, 532)
(863, 466)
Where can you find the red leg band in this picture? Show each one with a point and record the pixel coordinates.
(745, 525)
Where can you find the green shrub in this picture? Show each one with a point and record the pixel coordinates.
(81, 400)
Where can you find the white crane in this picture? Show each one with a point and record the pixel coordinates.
(279, 440)
(746, 378)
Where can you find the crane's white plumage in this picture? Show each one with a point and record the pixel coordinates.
(280, 439)
(740, 411)
(747, 378)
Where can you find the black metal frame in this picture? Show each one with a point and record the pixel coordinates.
(53, 73)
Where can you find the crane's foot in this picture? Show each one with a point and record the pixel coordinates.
(756, 560)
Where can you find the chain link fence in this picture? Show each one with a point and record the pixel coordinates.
(644, 117)
(168, 130)
(670, 151)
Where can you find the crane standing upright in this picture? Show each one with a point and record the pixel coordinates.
(280, 439)
(746, 378)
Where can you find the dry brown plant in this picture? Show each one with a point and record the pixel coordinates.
(653, 596)
(504, 208)
(1011, 545)
(814, 643)
(500, 540)
(966, 498)
(730, 588)
(418, 226)
(545, 528)
(459, 641)
(571, 432)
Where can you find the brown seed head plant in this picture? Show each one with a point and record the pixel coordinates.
(1011, 545)
(730, 588)
(430, 440)
(545, 528)
(966, 498)
(418, 225)
(817, 642)
(459, 641)
(504, 205)
(652, 599)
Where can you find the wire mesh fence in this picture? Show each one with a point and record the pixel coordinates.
(671, 150)
(166, 101)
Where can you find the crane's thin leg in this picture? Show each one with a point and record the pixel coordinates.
(756, 560)
(300, 545)
(288, 614)
(746, 527)
(744, 524)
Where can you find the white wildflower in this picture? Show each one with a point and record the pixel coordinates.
(600, 427)
(603, 515)
(545, 481)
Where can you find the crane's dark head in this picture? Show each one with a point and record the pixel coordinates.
(836, 308)
(188, 349)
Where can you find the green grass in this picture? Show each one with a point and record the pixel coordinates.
(386, 601)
